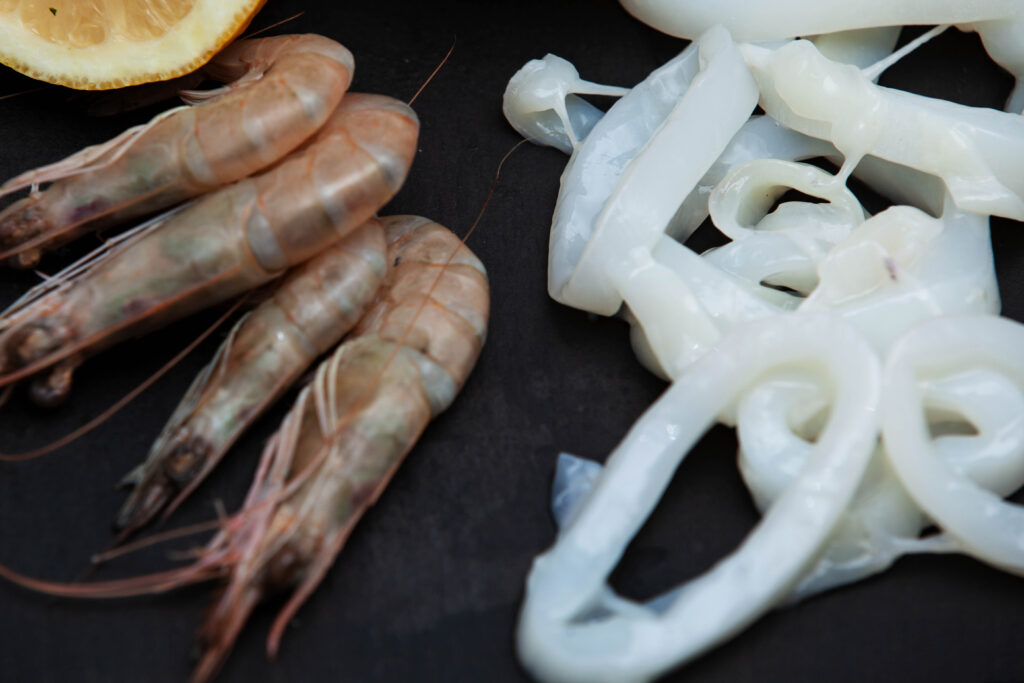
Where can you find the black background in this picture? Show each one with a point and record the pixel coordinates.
(429, 584)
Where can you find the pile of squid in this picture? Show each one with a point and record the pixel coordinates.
(874, 389)
(275, 177)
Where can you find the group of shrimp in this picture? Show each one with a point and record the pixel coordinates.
(276, 176)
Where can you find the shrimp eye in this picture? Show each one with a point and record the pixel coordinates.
(30, 342)
(185, 462)
(26, 259)
(53, 388)
(35, 340)
(22, 222)
(285, 568)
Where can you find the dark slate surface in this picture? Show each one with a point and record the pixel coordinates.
(429, 585)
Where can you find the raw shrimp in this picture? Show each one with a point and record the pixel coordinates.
(341, 442)
(264, 354)
(350, 429)
(284, 89)
(226, 242)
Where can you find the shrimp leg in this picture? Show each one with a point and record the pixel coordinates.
(284, 90)
(226, 242)
(309, 312)
(350, 429)
(340, 444)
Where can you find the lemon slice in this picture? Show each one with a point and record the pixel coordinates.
(101, 44)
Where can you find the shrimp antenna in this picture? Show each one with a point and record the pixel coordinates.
(364, 396)
(434, 72)
(85, 161)
(153, 539)
(367, 391)
(256, 500)
(320, 569)
(494, 187)
(257, 32)
(159, 582)
(27, 91)
(124, 400)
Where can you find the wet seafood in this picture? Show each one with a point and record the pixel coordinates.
(573, 627)
(351, 428)
(910, 283)
(224, 243)
(283, 90)
(341, 443)
(308, 313)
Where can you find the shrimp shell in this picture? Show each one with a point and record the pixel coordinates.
(308, 313)
(284, 90)
(350, 429)
(225, 243)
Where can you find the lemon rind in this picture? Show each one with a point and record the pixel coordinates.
(118, 61)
